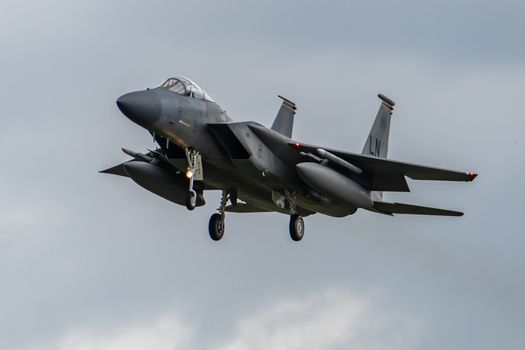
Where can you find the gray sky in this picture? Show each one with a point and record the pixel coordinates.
(90, 261)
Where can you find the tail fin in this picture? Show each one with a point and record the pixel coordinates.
(283, 122)
(377, 143)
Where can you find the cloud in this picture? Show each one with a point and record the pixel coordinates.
(331, 319)
(166, 333)
(79, 249)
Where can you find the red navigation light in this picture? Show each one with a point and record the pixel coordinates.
(297, 145)
(471, 175)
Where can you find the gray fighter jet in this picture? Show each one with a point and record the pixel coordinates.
(201, 148)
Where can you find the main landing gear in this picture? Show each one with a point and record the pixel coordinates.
(216, 226)
(296, 221)
(296, 227)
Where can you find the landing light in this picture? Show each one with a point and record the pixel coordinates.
(189, 173)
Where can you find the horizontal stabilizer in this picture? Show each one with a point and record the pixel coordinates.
(244, 208)
(402, 208)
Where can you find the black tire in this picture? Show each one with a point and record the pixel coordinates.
(191, 200)
(216, 227)
(296, 227)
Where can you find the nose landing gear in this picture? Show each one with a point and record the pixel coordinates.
(193, 172)
(191, 198)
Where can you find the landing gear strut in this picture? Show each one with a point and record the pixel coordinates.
(192, 157)
(296, 221)
(216, 226)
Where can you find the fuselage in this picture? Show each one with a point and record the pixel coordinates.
(253, 170)
(202, 148)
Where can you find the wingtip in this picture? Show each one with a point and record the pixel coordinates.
(471, 176)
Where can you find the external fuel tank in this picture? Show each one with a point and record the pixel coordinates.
(159, 181)
(334, 185)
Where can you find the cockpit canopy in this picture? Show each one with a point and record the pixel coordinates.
(186, 87)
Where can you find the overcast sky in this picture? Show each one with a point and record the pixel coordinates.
(92, 261)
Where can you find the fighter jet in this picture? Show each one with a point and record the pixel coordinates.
(259, 169)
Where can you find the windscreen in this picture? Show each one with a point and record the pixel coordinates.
(186, 87)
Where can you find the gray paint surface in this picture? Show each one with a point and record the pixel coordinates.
(91, 261)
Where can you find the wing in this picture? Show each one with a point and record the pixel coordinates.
(390, 171)
(378, 174)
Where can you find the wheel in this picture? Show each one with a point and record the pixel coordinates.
(191, 200)
(216, 226)
(296, 227)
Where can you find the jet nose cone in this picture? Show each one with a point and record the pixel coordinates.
(141, 107)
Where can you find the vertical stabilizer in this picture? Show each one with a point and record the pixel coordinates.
(377, 142)
(283, 122)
